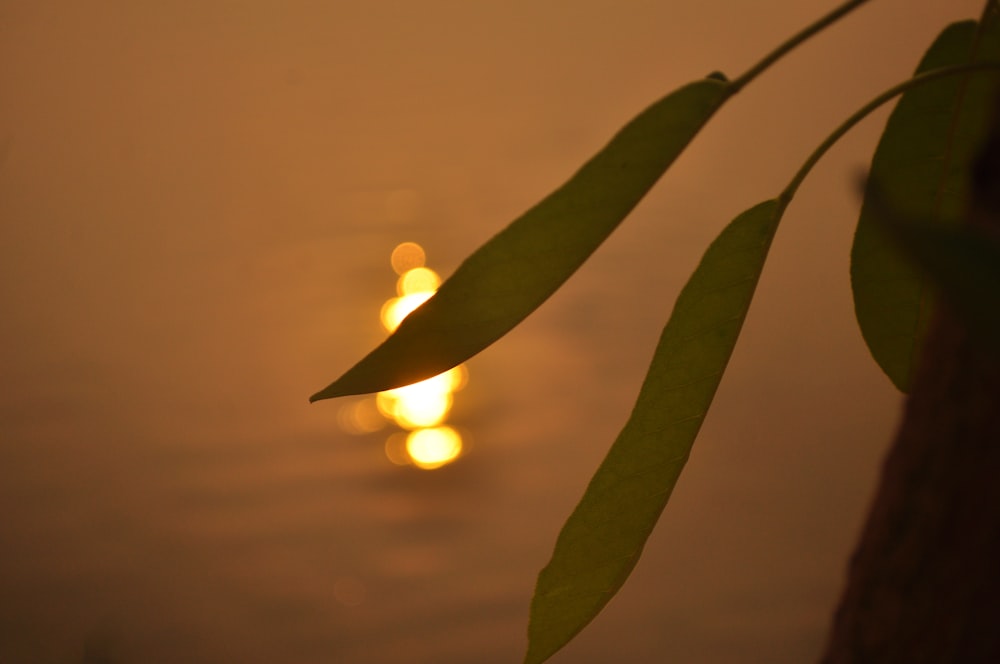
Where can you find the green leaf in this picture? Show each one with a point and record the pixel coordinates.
(603, 538)
(512, 274)
(922, 161)
(961, 261)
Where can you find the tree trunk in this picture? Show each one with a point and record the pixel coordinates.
(924, 582)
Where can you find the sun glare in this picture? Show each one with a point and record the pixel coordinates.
(433, 448)
(420, 405)
(414, 287)
(398, 308)
(420, 409)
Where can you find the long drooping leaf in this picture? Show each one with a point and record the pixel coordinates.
(512, 274)
(603, 538)
(922, 161)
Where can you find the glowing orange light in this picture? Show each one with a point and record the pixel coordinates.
(361, 417)
(422, 407)
(418, 280)
(457, 377)
(433, 448)
(423, 404)
(407, 256)
(398, 308)
(395, 449)
(385, 402)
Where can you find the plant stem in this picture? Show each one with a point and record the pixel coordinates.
(862, 112)
(805, 34)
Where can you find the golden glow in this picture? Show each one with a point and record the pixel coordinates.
(398, 308)
(361, 417)
(457, 377)
(421, 408)
(385, 401)
(395, 449)
(433, 448)
(423, 404)
(407, 256)
(418, 280)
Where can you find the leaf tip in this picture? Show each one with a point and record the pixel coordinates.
(331, 391)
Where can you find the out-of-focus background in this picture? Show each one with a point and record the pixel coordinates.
(198, 201)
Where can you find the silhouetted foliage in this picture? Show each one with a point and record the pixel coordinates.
(911, 254)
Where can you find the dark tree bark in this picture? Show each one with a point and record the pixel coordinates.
(924, 582)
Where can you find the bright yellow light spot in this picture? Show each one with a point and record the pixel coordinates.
(433, 448)
(422, 407)
(418, 280)
(407, 256)
(423, 404)
(439, 384)
(398, 308)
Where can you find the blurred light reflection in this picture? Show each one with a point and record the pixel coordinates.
(395, 449)
(421, 404)
(421, 408)
(434, 447)
(418, 280)
(407, 256)
(361, 417)
(395, 310)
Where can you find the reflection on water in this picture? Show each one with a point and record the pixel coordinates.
(433, 447)
(407, 256)
(185, 253)
(398, 308)
(420, 408)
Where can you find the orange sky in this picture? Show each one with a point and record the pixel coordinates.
(197, 205)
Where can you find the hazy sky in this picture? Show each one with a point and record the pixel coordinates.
(197, 205)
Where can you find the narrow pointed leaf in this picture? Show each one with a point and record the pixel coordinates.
(603, 538)
(922, 161)
(513, 273)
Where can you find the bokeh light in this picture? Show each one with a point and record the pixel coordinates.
(420, 409)
(415, 286)
(423, 404)
(395, 310)
(361, 417)
(407, 256)
(420, 405)
(395, 448)
(434, 447)
(418, 280)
